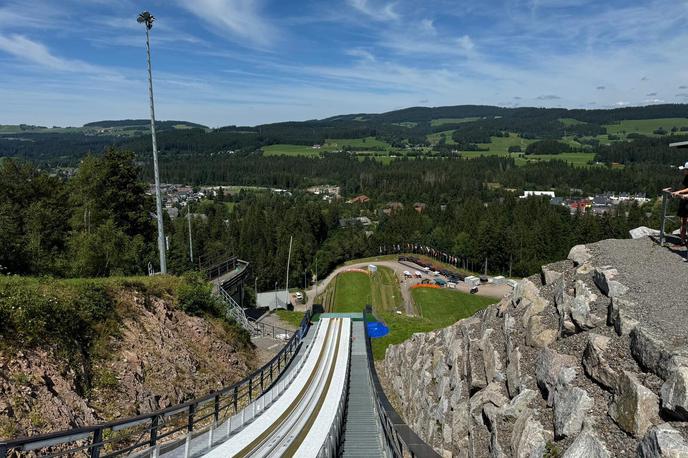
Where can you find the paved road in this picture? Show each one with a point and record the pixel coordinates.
(494, 291)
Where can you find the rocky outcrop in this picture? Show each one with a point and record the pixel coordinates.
(159, 356)
(566, 365)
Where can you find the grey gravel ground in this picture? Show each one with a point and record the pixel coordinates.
(657, 278)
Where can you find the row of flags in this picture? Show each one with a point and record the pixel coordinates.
(422, 249)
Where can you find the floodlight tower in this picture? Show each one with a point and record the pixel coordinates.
(147, 19)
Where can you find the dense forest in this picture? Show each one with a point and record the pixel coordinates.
(100, 222)
(431, 180)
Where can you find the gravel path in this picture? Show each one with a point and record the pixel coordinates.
(657, 279)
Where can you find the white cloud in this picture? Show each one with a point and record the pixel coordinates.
(241, 19)
(466, 43)
(428, 26)
(37, 53)
(384, 12)
(361, 53)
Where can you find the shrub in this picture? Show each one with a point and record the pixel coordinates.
(195, 295)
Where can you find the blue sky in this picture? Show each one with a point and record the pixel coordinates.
(221, 62)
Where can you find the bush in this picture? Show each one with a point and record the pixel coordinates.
(64, 314)
(196, 295)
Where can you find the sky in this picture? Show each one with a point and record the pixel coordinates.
(248, 62)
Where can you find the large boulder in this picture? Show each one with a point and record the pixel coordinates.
(579, 254)
(528, 438)
(595, 363)
(650, 351)
(551, 370)
(618, 316)
(643, 231)
(587, 445)
(663, 441)
(675, 394)
(538, 335)
(571, 406)
(635, 408)
(580, 308)
(604, 278)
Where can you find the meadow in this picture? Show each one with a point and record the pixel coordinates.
(443, 121)
(438, 308)
(334, 144)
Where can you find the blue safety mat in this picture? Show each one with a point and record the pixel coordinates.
(377, 329)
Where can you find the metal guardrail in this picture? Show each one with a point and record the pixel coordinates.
(400, 439)
(146, 434)
(219, 269)
(270, 330)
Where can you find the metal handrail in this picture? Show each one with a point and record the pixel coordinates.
(234, 310)
(270, 330)
(666, 196)
(200, 411)
(401, 440)
(223, 267)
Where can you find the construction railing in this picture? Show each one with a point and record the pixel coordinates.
(152, 433)
(400, 440)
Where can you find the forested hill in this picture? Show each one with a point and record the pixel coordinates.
(600, 116)
(144, 124)
(417, 131)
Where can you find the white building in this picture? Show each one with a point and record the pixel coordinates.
(527, 194)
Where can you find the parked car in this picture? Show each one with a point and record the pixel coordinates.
(299, 296)
(474, 290)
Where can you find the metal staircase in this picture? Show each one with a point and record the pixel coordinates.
(234, 311)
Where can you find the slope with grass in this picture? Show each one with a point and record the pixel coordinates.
(352, 292)
(438, 308)
(81, 351)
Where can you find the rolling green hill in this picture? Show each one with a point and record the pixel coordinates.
(472, 130)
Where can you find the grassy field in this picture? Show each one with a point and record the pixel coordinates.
(577, 159)
(291, 150)
(435, 138)
(357, 143)
(439, 308)
(292, 318)
(352, 292)
(570, 121)
(386, 295)
(443, 121)
(645, 126)
(333, 144)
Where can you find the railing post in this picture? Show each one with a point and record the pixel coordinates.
(217, 409)
(3, 451)
(153, 432)
(250, 389)
(95, 444)
(192, 411)
(236, 398)
(261, 382)
(665, 204)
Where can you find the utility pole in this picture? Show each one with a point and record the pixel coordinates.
(316, 278)
(147, 19)
(288, 262)
(188, 218)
